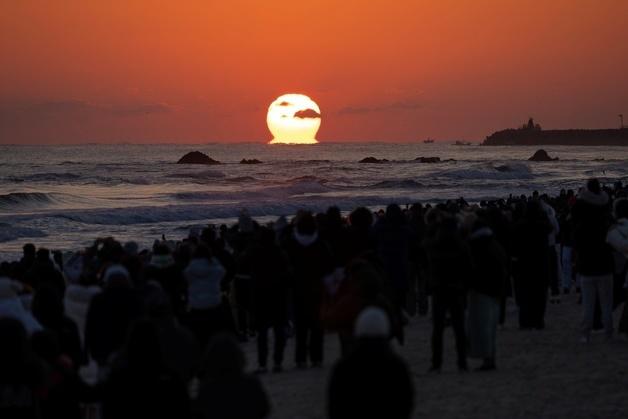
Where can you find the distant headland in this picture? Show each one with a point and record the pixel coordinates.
(533, 134)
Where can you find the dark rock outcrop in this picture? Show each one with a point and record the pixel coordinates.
(250, 161)
(541, 155)
(428, 159)
(196, 157)
(373, 160)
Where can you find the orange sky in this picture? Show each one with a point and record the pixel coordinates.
(200, 71)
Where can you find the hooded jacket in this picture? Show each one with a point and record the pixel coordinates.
(310, 260)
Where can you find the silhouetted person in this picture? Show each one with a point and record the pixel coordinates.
(531, 265)
(566, 245)
(487, 285)
(110, 314)
(371, 381)
(448, 265)
(21, 373)
(417, 295)
(310, 260)
(65, 390)
(393, 247)
(78, 297)
(334, 232)
(502, 231)
(226, 391)
(618, 238)
(163, 269)
(27, 261)
(360, 239)
(47, 307)
(217, 246)
(44, 272)
(139, 385)
(242, 288)
(204, 275)
(179, 348)
(362, 287)
(553, 257)
(269, 277)
(594, 259)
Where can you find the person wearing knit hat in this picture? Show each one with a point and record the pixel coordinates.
(372, 323)
(115, 274)
(110, 313)
(164, 270)
(204, 275)
(311, 260)
(372, 381)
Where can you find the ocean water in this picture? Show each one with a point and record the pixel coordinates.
(64, 197)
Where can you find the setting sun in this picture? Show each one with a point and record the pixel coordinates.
(293, 119)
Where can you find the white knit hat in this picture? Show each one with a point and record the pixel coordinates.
(372, 322)
(116, 271)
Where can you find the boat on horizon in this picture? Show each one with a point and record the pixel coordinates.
(428, 141)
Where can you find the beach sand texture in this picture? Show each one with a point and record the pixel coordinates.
(541, 374)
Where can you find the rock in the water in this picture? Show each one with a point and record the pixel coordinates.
(428, 159)
(250, 161)
(196, 157)
(373, 160)
(541, 155)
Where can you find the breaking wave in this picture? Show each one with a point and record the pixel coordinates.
(10, 232)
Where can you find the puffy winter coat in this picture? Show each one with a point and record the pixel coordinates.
(591, 216)
(204, 279)
(490, 266)
(617, 237)
(11, 306)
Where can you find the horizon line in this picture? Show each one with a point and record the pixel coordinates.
(224, 142)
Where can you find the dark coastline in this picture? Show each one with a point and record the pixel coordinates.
(578, 137)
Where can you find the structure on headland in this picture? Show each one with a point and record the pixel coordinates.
(533, 134)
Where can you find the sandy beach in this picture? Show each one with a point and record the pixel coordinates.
(547, 374)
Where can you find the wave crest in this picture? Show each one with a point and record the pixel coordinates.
(10, 232)
(29, 199)
(398, 184)
(508, 171)
(204, 175)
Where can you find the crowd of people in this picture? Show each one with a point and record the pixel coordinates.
(164, 325)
